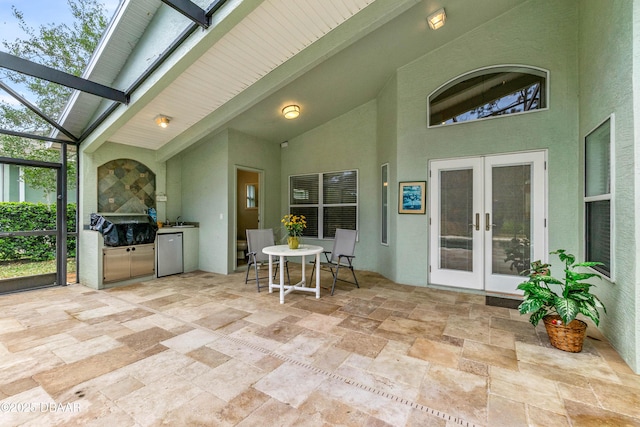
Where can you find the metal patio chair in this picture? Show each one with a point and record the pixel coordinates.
(344, 245)
(256, 241)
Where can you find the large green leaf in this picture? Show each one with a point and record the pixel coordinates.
(588, 264)
(530, 305)
(544, 294)
(568, 259)
(526, 285)
(537, 316)
(567, 308)
(579, 287)
(573, 275)
(591, 312)
(598, 303)
(548, 279)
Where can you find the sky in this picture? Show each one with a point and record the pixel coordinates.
(37, 13)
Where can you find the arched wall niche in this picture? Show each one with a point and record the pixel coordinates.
(125, 186)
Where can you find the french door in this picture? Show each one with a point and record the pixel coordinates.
(487, 220)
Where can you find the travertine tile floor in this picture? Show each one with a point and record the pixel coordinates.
(206, 349)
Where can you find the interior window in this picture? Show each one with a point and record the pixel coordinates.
(490, 92)
(252, 197)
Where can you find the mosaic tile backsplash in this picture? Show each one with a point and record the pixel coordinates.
(126, 186)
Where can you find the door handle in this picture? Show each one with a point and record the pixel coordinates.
(487, 222)
(477, 224)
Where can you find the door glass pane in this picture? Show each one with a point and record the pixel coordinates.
(511, 221)
(456, 217)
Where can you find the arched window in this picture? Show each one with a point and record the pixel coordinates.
(489, 92)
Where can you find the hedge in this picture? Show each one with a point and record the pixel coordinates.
(23, 216)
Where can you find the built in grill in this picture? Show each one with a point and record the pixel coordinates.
(125, 230)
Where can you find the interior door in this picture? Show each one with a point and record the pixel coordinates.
(487, 220)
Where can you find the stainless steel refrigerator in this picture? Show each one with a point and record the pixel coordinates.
(169, 250)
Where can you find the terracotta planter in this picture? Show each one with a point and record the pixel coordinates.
(565, 337)
(293, 242)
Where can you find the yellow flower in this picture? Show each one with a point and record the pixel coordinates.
(294, 224)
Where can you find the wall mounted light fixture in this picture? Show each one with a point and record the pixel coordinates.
(291, 111)
(437, 19)
(162, 121)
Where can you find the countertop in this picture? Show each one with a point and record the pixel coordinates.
(177, 228)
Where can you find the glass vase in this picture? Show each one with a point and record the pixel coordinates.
(293, 242)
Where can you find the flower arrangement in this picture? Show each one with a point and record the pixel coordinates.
(294, 224)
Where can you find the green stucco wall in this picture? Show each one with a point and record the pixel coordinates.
(538, 33)
(90, 273)
(387, 148)
(246, 151)
(606, 76)
(346, 142)
(174, 191)
(207, 190)
(205, 198)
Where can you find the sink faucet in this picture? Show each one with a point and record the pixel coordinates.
(178, 221)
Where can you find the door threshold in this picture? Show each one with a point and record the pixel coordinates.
(506, 301)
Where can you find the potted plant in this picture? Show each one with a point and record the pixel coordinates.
(558, 302)
(294, 225)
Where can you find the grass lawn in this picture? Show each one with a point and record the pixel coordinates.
(9, 269)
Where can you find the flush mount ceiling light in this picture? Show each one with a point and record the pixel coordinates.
(291, 111)
(436, 20)
(162, 121)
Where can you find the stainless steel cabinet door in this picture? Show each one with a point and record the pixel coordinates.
(116, 264)
(142, 260)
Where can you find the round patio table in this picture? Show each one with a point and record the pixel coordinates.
(283, 251)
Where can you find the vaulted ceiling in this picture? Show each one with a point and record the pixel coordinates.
(327, 56)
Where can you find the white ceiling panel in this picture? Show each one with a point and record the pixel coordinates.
(272, 33)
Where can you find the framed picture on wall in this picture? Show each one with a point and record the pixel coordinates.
(411, 197)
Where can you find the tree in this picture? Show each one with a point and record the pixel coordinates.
(66, 48)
